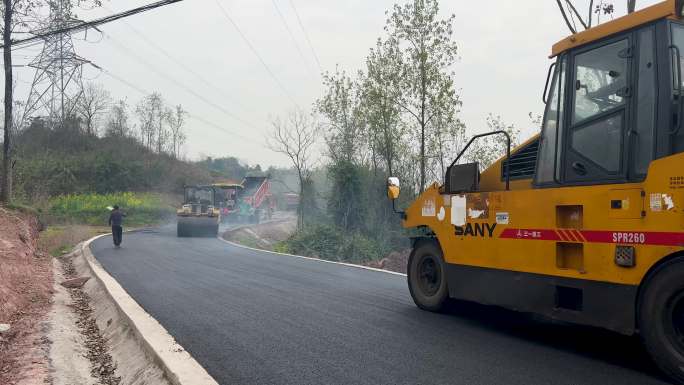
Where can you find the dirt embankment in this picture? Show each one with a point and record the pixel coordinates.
(26, 283)
(265, 235)
(394, 261)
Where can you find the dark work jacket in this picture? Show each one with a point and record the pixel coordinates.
(116, 218)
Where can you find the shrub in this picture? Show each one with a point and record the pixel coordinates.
(332, 243)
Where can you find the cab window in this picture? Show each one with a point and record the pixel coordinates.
(600, 95)
(600, 77)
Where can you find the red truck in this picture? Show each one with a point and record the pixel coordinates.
(249, 201)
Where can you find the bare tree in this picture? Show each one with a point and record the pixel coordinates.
(93, 102)
(148, 110)
(295, 138)
(117, 124)
(176, 120)
(162, 117)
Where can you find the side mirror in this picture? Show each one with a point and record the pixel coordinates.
(393, 188)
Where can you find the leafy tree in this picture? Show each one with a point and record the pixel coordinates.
(381, 88)
(488, 149)
(428, 51)
(446, 139)
(339, 107)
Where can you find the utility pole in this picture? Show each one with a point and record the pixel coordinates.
(6, 187)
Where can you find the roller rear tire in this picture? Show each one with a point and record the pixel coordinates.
(426, 276)
(661, 318)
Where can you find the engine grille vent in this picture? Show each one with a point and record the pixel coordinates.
(523, 162)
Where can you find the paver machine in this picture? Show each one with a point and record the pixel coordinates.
(199, 216)
(227, 199)
(584, 222)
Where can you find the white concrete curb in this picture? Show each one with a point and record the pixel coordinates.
(312, 259)
(179, 366)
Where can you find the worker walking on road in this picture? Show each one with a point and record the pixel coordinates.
(116, 221)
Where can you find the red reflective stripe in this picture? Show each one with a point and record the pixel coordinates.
(561, 235)
(594, 236)
(543, 234)
(569, 235)
(580, 236)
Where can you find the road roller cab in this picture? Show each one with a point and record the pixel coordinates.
(199, 215)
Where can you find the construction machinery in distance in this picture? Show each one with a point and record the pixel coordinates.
(199, 216)
(583, 222)
(227, 194)
(246, 202)
(206, 206)
(256, 199)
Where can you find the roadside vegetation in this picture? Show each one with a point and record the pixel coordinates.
(91, 209)
(398, 116)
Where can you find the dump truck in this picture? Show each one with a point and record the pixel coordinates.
(199, 216)
(255, 199)
(583, 222)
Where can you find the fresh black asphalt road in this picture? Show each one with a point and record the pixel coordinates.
(252, 317)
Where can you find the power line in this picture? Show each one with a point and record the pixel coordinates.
(254, 51)
(82, 25)
(192, 116)
(289, 32)
(179, 84)
(185, 67)
(306, 35)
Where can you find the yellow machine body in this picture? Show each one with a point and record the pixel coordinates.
(527, 230)
(577, 249)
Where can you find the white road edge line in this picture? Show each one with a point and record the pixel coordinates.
(180, 367)
(312, 259)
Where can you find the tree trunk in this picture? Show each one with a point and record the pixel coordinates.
(6, 194)
(423, 95)
(300, 208)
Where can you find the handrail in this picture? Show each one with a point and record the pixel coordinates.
(546, 86)
(680, 97)
(508, 152)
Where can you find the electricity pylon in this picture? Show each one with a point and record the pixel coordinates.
(58, 80)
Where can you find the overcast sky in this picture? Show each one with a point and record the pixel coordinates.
(192, 54)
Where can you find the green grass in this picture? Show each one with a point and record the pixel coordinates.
(91, 209)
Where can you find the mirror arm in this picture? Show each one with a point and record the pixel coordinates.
(394, 208)
(508, 152)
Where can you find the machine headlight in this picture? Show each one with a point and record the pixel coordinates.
(679, 8)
